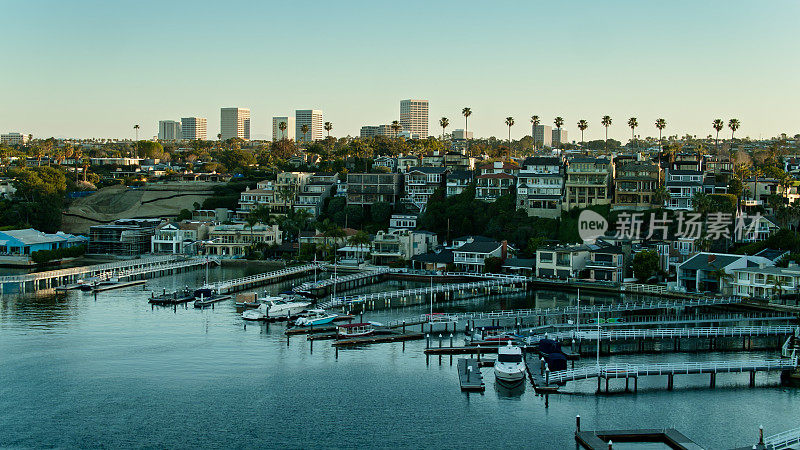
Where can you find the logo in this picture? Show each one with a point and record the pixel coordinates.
(591, 226)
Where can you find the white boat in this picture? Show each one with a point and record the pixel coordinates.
(510, 365)
(355, 330)
(275, 308)
(315, 317)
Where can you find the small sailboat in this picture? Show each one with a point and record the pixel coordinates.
(315, 317)
(510, 365)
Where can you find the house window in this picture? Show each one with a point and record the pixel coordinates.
(546, 257)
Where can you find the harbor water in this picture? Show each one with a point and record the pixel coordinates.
(110, 371)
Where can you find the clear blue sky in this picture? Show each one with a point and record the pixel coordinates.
(94, 68)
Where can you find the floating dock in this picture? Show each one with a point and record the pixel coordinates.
(173, 298)
(469, 375)
(100, 287)
(604, 439)
(252, 281)
(209, 301)
(377, 339)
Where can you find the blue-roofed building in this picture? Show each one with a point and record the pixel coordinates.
(16, 246)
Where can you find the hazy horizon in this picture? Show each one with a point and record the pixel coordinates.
(94, 69)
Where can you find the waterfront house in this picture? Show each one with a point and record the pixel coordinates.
(471, 256)
(439, 260)
(178, 238)
(540, 186)
(16, 246)
(605, 263)
(401, 245)
(764, 282)
(233, 240)
(588, 182)
(563, 261)
(707, 272)
(124, 237)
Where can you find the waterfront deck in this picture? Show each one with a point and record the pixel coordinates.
(252, 281)
(469, 375)
(210, 301)
(665, 333)
(323, 287)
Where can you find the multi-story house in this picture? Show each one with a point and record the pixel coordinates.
(420, 184)
(458, 161)
(433, 159)
(401, 245)
(764, 282)
(178, 237)
(457, 181)
(312, 194)
(718, 164)
(707, 272)
(540, 186)
(588, 182)
(471, 256)
(369, 188)
(385, 161)
(278, 195)
(688, 161)
(682, 185)
(606, 263)
(126, 237)
(564, 261)
(635, 185)
(405, 162)
(490, 186)
(403, 221)
(233, 240)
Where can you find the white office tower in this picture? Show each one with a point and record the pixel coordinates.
(194, 128)
(14, 139)
(313, 119)
(288, 133)
(414, 117)
(235, 123)
(543, 136)
(169, 130)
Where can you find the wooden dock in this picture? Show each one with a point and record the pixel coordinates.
(202, 303)
(469, 375)
(117, 285)
(172, 298)
(252, 281)
(539, 378)
(377, 339)
(603, 439)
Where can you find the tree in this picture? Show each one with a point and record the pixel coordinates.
(185, 214)
(443, 122)
(328, 127)
(396, 127)
(633, 123)
(718, 125)
(509, 123)
(660, 195)
(606, 121)
(660, 124)
(645, 265)
(380, 212)
(493, 264)
(558, 123)
(282, 126)
(304, 130)
(734, 125)
(360, 239)
(582, 125)
(701, 202)
(466, 112)
(534, 124)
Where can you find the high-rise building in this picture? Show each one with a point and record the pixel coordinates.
(459, 140)
(235, 123)
(14, 139)
(194, 128)
(277, 134)
(559, 137)
(312, 118)
(414, 117)
(369, 131)
(169, 130)
(543, 136)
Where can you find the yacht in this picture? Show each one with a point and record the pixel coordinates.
(510, 365)
(275, 308)
(315, 317)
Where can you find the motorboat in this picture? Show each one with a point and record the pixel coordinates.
(355, 330)
(509, 367)
(275, 308)
(315, 317)
(491, 334)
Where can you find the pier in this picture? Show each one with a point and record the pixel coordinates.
(324, 287)
(129, 269)
(787, 439)
(469, 375)
(252, 281)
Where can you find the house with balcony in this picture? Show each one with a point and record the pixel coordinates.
(388, 162)
(421, 183)
(123, 237)
(405, 162)
(401, 245)
(708, 272)
(756, 228)
(312, 194)
(471, 256)
(718, 164)
(635, 186)
(369, 188)
(458, 161)
(16, 246)
(765, 282)
(233, 240)
(588, 182)
(403, 221)
(682, 185)
(563, 261)
(457, 181)
(279, 195)
(540, 186)
(606, 263)
(178, 238)
(489, 187)
(688, 160)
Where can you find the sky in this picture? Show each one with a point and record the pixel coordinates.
(95, 68)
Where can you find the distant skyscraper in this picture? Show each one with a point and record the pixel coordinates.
(277, 134)
(312, 118)
(559, 139)
(169, 130)
(194, 128)
(414, 117)
(369, 131)
(14, 139)
(235, 122)
(543, 135)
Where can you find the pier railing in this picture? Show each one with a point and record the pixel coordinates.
(786, 439)
(311, 285)
(96, 268)
(668, 333)
(223, 286)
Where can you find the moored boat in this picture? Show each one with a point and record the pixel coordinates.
(275, 308)
(315, 317)
(355, 330)
(509, 367)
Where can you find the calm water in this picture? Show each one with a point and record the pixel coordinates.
(80, 371)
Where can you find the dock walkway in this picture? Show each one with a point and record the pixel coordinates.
(469, 375)
(666, 333)
(251, 281)
(787, 439)
(320, 288)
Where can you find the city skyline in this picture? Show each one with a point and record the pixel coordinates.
(694, 63)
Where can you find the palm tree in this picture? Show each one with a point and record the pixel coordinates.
(534, 124)
(633, 123)
(558, 122)
(251, 222)
(396, 128)
(660, 195)
(606, 121)
(136, 143)
(582, 125)
(136, 130)
(304, 130)
(718, 125)
(466, 112)
(660, 124)
(444, 123)
(701, 202)
(328, 127)
(282, 126)
(509, 123)
(733, 124)
(361, 238)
